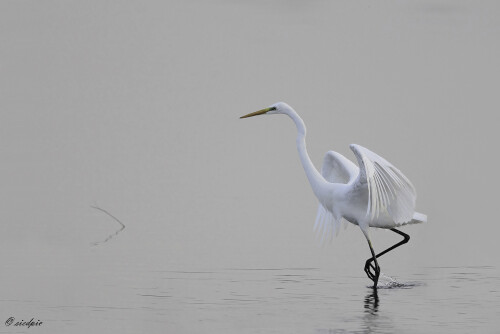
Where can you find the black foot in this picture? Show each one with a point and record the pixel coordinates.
(372, 271)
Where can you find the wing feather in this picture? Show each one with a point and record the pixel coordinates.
(326, 225)
(338, 169)
(388, 188)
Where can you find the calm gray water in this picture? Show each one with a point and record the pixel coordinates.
(266, 300)
(133, 107)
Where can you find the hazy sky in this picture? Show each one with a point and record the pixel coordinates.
(134, 106)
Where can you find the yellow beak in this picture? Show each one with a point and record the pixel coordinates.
(260, 112)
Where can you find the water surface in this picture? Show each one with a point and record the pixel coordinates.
(271, 300)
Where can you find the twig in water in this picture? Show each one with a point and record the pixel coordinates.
(115, 219)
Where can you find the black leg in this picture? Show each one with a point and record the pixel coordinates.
(373, 276)
(374, 257)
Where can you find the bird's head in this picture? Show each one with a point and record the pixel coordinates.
(277, 108)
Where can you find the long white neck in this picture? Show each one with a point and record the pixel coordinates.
(318, 183)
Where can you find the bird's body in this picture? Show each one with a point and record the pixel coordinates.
(375, 194)
(349, 197)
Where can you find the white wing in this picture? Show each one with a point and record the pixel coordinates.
(388, 188)
(326, 225)
(336, 169)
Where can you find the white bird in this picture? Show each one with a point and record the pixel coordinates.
(376, 194)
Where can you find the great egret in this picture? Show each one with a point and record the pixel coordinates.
(376, 194)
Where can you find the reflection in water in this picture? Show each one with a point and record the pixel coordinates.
(375, 321)
(371, 302)
(371, 319)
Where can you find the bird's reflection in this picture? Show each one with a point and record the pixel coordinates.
(371, 302)
(375, 320)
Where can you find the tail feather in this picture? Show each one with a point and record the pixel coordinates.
(418, 218)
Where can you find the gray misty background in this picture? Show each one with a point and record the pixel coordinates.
(134, 107)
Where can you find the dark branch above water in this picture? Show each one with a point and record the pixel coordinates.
(115, 219)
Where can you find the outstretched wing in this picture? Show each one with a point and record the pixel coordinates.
(338, 169)
(388, 188)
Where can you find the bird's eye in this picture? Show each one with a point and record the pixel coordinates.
(272, 108)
